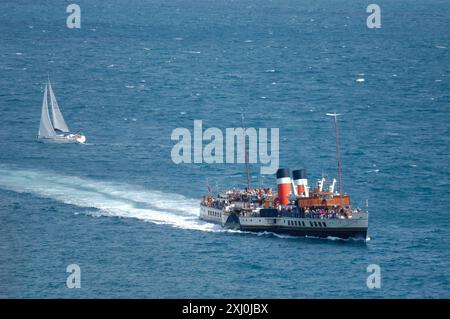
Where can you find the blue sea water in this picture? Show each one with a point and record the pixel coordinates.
(127, 215)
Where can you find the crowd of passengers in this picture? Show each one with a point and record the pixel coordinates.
(329, 213)
(257, 196)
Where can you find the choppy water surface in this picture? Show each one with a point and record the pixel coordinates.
(121, 209)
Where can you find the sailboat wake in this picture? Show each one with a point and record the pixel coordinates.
(108, 198)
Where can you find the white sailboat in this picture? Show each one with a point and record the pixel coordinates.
(56, 131)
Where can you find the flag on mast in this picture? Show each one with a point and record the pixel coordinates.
(208, 186)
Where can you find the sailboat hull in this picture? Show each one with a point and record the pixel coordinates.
(63, 139)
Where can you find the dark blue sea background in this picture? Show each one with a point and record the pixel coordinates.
(121, 209)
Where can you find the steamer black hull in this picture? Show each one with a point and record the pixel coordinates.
(355, 227)
(345, 233)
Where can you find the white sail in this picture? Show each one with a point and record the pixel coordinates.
(58, 120)
(45, 127)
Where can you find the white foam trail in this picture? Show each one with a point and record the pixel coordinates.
(109, 198)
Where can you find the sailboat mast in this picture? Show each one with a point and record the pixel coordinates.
(247, 164)
(338, 157)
